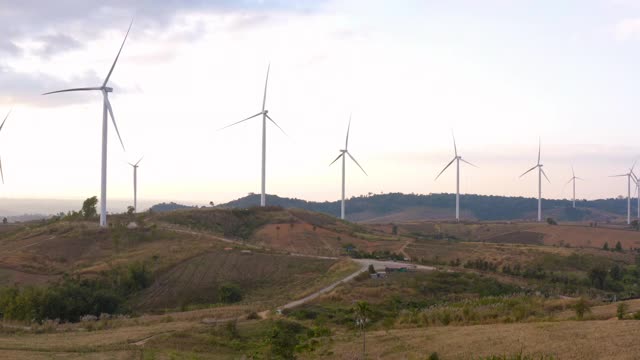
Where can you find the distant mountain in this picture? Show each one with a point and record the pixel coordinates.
(162, 207)
(407, 207)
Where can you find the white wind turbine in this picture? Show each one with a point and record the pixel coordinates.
(135, 185)
(1, 126)
(540, 173)
(457, 159)
(573, 179)
(637, 181)
(265, 116)
(342, 155)
(630, 176)
(106, 108)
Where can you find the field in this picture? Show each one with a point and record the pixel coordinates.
(212, 279)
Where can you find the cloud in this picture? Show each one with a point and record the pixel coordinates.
(45, 29)
(627, 29)
(26, 88)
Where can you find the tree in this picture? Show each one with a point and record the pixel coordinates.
(598, 276)
(618, 246)
(5, 221)
(635, 225)
(551, 221)
(621, 310)
(605, 246)
(362, 309)
(372, 270)
(581, 308)
(130, 210)
(616, 272)
(229, 293)
(211, 203)
(89, 207)
(394, 230)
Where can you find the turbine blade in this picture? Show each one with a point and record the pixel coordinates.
(445, 168)
(539, 147)
(621, 175)
(339, 156)
(570, 180)
(106, 80)
(264, 99)
(528, 171)
(545, 175)
(346, 143)
(276, 124)
(75, 89)
(634, 165)
(139, 160)
(243, 120)
(356, 161)
(5, 119)
(579, 178)
(465, 161)
(113, 119)
(455, 148)
(1, 173)
(573, 171)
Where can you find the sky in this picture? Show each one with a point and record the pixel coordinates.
(500, 74)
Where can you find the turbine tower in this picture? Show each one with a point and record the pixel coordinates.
(342, 155)
(265, 116)
(457, 159)
(540, 173)
(637, 181)
(106, 110)
(573, 179)
(135, 185)
(1, 126)
(630, 176)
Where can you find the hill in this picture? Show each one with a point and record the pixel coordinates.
(397, 207)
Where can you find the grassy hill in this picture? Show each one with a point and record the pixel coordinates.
(397, 207)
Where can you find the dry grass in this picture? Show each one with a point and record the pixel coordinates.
(564, 340)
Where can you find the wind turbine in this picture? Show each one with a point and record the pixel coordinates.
(573, 179)
(106, 108)
(540, 173)
(135, 185)
(1, 126)
(630, 176)
(637, 181)
(265, 116)
(457, 159)
(342, 155)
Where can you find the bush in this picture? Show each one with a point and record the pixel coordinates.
(621, 310)
(229, 293)
(581, 308)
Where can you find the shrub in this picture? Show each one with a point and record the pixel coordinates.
(581, 307)
(621, 310)
(229, 293)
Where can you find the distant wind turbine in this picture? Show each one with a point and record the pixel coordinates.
(1, 126)
(265, 116)
(135, 185)
(630, 177)
(637, 181)
(573, 179)
(457, 159)
(106, 108)
(342, 155)
(540, 173)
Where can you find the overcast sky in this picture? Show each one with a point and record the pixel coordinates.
(500, 73)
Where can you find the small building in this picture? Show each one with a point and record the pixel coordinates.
(378, 275)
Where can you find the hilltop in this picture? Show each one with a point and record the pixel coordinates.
(400, 207)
